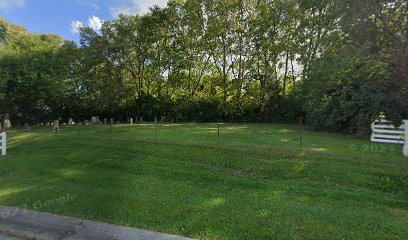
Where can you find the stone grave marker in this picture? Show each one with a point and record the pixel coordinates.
(7, 122)
(55, 128)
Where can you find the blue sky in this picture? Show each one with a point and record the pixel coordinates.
(63, 16)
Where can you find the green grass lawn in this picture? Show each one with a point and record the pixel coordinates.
(258, 183)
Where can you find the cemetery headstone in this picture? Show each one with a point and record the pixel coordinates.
(131, 121)
(55, 128)
(92, 122)
(97, 120)
(70, 121)
(111, 121)
(7, 122)
(105, 121)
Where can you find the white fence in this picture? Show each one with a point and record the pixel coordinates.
(383, 131)
(3, 142)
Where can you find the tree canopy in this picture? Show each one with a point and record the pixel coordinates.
(337, 63)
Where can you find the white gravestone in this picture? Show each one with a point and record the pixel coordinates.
(55, 128)
(7, 122)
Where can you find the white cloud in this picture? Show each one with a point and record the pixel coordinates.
(75, 26)
(135, 7)
(6, 5)
(87, 3)
(95, 23)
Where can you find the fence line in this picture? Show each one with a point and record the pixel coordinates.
(385, 132)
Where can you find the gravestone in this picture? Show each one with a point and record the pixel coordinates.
(86, 122)
(131, 121)
(7, 122)
(97, 120)
(70, 121)
(55, 128)
(105, 121)
(47, 124)
(111, 121)
(92, 122)
(141, 119)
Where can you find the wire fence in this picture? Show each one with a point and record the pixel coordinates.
(259, 134)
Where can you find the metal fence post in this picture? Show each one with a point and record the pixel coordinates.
(218, 133)
(405, 150)
(300, 131)
(110, 130)
(155, 129)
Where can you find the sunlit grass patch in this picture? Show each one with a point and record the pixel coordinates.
(261, 181)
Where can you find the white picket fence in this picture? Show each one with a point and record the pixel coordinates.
(3, 142)
(385, 132)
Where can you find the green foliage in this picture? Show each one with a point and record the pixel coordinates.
(344, 93)
(356, 77)
(257, 184)
(201, 109)
(32, 74)
(336, 63)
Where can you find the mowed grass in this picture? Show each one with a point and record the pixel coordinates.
(259, 182)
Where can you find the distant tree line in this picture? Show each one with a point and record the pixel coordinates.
(336, 63)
